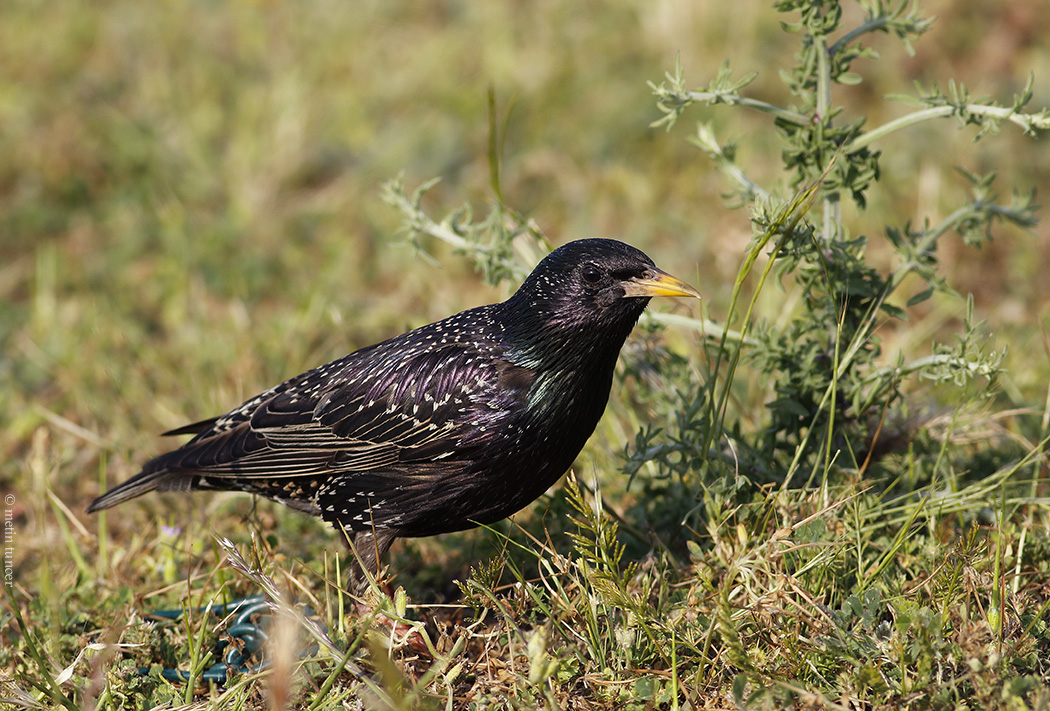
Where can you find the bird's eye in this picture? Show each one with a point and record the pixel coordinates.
(591, 274)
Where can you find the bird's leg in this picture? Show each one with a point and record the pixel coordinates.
(368, 549)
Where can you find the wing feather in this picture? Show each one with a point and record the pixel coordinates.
(420, 408)
(365, 439)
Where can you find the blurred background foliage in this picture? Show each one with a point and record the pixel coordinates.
(190, 191)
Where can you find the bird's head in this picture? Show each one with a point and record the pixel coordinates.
(587, 294)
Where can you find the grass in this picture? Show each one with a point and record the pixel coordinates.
(191, 204)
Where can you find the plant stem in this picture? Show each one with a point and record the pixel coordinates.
(713, 97)
(1025, 121)
(879, 23)
(832, 207)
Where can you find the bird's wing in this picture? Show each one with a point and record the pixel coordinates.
(362, 415)
(192, 428)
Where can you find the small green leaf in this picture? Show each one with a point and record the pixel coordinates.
(739, 687)
(895, 311)
(920, 297)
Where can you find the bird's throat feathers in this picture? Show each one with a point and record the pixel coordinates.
(571, 363)
(545, 338)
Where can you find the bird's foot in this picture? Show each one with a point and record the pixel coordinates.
(401, 632)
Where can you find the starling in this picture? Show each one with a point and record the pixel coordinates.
(456, 424)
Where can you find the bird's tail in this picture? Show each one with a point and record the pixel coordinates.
(144, 482)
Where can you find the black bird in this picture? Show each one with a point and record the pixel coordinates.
(457, 423)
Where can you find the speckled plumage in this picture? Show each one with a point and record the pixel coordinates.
(457, 423)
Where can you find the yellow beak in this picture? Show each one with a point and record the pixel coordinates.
(657, 282)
